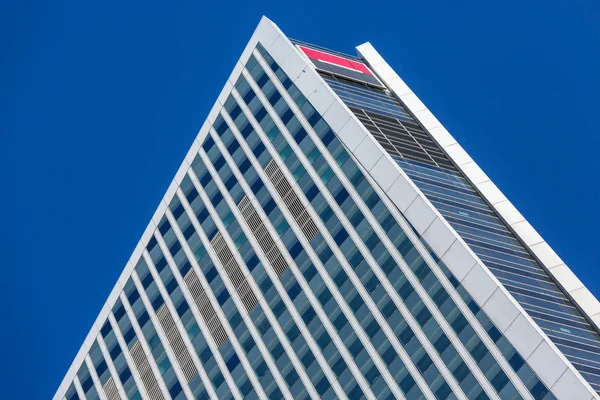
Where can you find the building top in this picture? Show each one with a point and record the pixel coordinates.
(548, 258)
(304, 62)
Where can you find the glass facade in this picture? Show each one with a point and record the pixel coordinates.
(280, 270)
(461, 205)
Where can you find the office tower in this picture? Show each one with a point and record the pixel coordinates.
(326, 237)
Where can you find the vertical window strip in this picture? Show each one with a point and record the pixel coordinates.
(261, 123)
(192, 369)
(146, 366)
(178, 342)
(145, 320)
(72, 392)
(87, 382)
(398, 261)
(181, 209)
(512, 265)
(113, 386)
(184, 198)
(287, 225)
(258, 170)
(92, 371)
(191, 252)
(533, 388)
(548, 322)
(101, 367)
(266, 201)
(132, 390)
(78, 389)
(167, 362)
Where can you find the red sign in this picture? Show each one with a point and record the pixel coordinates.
(336, 60)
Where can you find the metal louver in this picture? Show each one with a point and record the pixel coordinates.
(110, 389)
(262, 235)
(233, 271)
(145, 371)
(206, 309)
(291, 200)
(174, 337)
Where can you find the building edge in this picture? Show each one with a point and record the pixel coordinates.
(565, 278)
(563, 386)
(266, 33)
(398, 187)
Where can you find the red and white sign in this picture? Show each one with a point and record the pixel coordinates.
(336, 60)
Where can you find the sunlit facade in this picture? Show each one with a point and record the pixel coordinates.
(326, 237)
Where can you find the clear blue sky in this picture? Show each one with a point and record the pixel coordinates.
(100, 100)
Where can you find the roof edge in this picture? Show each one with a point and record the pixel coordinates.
(548, 259)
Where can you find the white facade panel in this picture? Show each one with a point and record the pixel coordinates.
(501, 306)
(381, 173)
(368, 153)
(352, 133)
(480, 284)
(420, 214)
(440, 237)
(523, 335)
(459, 259)
(321, 98)
(402, 192)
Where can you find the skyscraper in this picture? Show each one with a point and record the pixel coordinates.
(326, 237)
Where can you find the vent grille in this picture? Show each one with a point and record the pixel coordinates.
(206, 309)
(403, 138)
(174, 337)
(233, 270)
(294, 204)
(188, 367)
(307, 225)
(219, 244)
(253, 220)
(291, 200)
(154, 392)
(165, 318)
(264, 238)
(110, 389)
(145, 372)
(279, 264)
(245, 202)
(271, 169)
(262, 235)
(217, 330)
(249, 299)
(389, 122)
(235, 273)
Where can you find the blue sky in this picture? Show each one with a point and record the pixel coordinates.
(100, 101)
